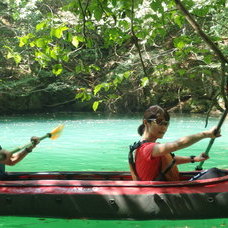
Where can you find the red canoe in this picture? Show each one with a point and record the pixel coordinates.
(111, 195)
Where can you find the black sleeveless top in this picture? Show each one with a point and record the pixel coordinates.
(2, 166)
(2, 169)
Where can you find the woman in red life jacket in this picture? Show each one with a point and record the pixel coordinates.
(155, 161)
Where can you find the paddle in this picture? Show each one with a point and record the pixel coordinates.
(199, 167)
(54, 134)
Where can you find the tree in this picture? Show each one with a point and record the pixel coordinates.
(127, 54)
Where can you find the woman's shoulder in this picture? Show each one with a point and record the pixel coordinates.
(147, 145)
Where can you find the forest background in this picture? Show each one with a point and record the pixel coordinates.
(113, 55)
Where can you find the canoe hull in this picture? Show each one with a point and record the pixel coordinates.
(117, 207)
(40, 196)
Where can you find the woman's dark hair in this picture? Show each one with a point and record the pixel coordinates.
(153, 112)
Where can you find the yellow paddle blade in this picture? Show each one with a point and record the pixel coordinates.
(56, 132)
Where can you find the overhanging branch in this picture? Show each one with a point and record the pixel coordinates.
(213, 46)
(135, 38)
(198, 29)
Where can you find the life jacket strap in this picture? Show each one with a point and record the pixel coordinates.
(172, 163)
(131, 162)
(131, 159)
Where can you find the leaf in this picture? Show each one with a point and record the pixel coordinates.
(75, 41)
(17, 58)
(95, 105)
(113, 96)
(41, 25)
(86, 96)
(207, 72)
(58, 32)
(144, 81)
(127, 74)
(207, 59)
(180, 44)
(113, 2)
(156, 5)
(97, 89)
(98, 13)
(89, 43)
(95, 67)
(57, 69)
(71, 6)
(32, 44)
(41, 42)
(81, 38)
(116, 81)
(9, 55)
(124, 24)
(79, 68)
(181, 72)
(83, 94)
(53, 54)
(106, 86)
(24, 39)
(65, 58)
(178, 20)
(79, 95)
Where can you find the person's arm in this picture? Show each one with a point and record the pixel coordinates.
(17, 157)
(190, 159)
(12, 159)
(186, 141)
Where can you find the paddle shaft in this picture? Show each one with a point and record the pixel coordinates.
(199, 167)
(30, 144)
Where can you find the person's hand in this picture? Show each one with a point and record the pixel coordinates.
(213, 133)
(35, 140)
(201, 157)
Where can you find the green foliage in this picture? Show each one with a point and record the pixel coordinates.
(95, 45)
(12, 54)
(84, 94)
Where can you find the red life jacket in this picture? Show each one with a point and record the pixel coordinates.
(169, 170)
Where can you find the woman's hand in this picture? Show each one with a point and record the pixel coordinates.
(212, 133)
(201, 157)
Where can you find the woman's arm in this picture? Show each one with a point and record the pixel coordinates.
(191, 159)
(186, 141)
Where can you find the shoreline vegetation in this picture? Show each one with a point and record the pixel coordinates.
(37, 105)
(113, 56)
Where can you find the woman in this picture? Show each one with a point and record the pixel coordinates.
(155, 161)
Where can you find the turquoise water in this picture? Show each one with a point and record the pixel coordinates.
(93, 142)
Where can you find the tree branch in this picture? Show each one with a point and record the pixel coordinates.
(222, 58)
(197, 28)
(135, 38)
(83, 16)
(224, 85)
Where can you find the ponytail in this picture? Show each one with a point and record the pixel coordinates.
(141, 129)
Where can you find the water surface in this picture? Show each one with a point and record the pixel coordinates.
(94, 142)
